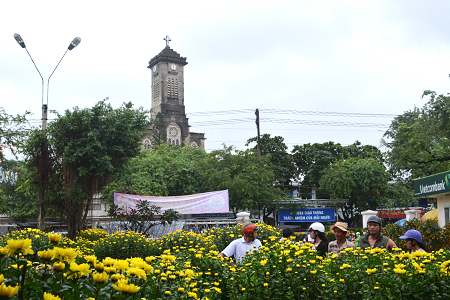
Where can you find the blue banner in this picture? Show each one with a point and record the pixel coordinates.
(307, 215)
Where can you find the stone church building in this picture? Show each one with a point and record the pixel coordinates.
(168, 99)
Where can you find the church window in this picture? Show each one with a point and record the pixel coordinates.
(156, 90)
(168, 87)
(147, 144)
(174, 134)
(172, 88)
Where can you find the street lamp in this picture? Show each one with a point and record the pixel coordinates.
(72, 45)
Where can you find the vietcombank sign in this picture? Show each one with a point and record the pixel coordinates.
(432, 185)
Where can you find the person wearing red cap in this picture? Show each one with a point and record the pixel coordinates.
(241, 247)
(341, 243)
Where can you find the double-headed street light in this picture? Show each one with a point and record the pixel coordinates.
(72, 45)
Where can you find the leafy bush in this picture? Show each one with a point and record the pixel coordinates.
(225, 235)
(38, 238)
(191, 269)
(433, 236)
(93, 235)
(122, 245)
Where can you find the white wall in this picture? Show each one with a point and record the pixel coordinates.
(442, 201)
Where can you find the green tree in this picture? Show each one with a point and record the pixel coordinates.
(17, 199)
(365, 183)
(281, 160)
(312, 159)
(250, 183)
(159, 134)
(418, 140)
(85, 147)
(142, 218)
(13, 130)
(166, 171)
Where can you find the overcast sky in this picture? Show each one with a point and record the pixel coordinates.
(287, 58)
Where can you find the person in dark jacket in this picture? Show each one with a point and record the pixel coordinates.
(374, 238)
(317, 232)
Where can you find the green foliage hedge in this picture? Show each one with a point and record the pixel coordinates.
(433, 236)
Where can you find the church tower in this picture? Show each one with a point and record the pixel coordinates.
(168, 98)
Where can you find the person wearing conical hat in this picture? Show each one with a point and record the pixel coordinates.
(341, 243)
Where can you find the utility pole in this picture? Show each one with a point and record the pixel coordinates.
(258, 142)
(258, 146)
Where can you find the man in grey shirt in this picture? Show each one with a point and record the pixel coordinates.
(341, 243)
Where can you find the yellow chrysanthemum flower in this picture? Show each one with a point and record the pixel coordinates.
(48, 296)
(23, 246)
(121, 265)
(47, 254)
(59, 266)
(90, 258)
(55, 238)
(65, 254)
(399, 271)
(116, 277)
(8, 291)
(99, 267)
(123, 286)
(78, 270)
(137, 273)
(100, 277)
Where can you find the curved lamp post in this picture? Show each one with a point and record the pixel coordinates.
(72, 45)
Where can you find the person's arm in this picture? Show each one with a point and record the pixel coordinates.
(229, 250)
(390, 244)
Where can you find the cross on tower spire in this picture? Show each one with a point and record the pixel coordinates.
(167, 39)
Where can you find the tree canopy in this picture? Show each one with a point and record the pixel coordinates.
(312, 159)
(250, 182)
(418, 140)
(17, 199)
(13, 129)
(281, 160)
(171, 170)
(166, 171)
(84, 148)
(365, 183)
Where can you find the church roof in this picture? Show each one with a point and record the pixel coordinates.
(167, 55)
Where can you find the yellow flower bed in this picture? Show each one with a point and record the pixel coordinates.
(186, 265)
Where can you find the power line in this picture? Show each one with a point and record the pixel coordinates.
(294, 112)
(289, 121)
(295, 129)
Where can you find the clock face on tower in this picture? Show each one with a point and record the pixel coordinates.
(154, 68)
(173, 67)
